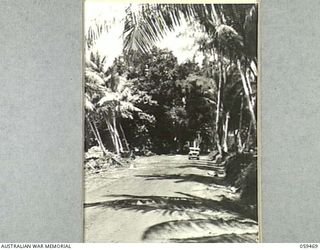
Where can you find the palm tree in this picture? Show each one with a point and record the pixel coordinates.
(118, 102)
(232, 28)
(94, 88)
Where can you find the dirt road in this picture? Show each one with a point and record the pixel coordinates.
(164, 199)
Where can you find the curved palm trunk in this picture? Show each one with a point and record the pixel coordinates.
(216, 134)
(247, 95)
(112, 127)
(239, 142)
(225, 133)
(116, 142)
(112, 134)
(248, 82)
(248, 137)
(124, 136)
(95, 131)
(119, 147)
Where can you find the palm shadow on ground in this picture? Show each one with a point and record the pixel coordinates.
(200, 217)
(202, 165)
(198, 166)
(203, 231)
(185, 178)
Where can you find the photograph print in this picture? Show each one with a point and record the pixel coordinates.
(170, 123)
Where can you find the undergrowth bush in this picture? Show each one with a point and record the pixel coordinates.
(96, 160)
(241, 172)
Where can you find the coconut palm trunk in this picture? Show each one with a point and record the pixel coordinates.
(119, 147)
(116, 142)
(247, 96)
(111, 132)
(216, 134)
(239, 141)
(225, 132)
(124, 136)
(249, 135)
(95, 131)
(248, 82)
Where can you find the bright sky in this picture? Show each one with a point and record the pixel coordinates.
(180, 41)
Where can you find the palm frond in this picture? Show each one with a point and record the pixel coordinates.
(108, 98)
(93, 79)
(244, 19)
(88, 105)
(123, 83)
(150, 22)
(95, 30)
(141, 29)
(128, 106)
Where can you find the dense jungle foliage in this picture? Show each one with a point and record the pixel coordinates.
(146, 102)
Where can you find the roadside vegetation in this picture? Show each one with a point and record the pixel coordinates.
(145, 102)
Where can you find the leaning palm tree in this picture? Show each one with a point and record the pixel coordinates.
(107, 98)
(118, 102)
(93, 89)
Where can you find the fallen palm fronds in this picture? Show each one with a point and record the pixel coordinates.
(97, 160)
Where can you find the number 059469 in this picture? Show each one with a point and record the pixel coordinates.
(308, 245)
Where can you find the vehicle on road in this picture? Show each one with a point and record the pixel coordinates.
(194, 153)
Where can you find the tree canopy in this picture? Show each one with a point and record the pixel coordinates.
(147, 101)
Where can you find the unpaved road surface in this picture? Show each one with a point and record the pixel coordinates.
(164, 199)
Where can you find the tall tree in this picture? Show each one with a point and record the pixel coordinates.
(233, 29)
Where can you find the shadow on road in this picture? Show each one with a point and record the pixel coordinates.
(161, 204)
(206, 231)
(198, 166)
(199, 217)
(183, 216)
(185, 178)
(173, 204)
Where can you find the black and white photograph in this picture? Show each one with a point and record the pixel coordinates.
(171, 122)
